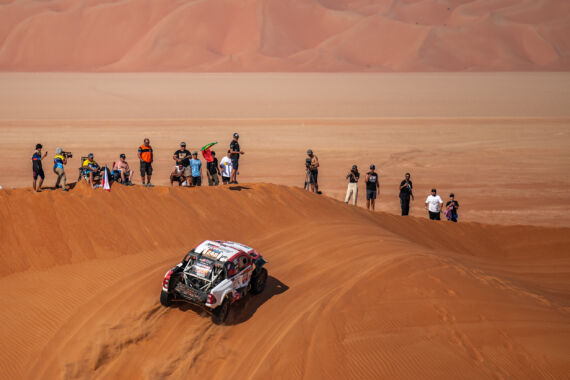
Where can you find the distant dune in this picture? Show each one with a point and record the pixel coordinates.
(284, 35)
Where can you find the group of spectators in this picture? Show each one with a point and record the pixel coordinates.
(187, 170)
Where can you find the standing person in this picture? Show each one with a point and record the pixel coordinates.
(196, 166)
(146, 157)
(122, 166)
(235, 153)
(352, 191)
(212, 171)
(406, 191)
(451, 208)
(37, 167)
(59, 160)
(182, 157)
(372, 187)
(314, 171)
(226, 166)
(433, 205)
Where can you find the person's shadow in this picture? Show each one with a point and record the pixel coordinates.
(241, 310)
(239, 188)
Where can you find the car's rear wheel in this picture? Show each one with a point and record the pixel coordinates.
(165, 298)
(220, 313)
(259, 282)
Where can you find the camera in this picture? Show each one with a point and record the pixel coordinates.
(307, 163)
(67, 154)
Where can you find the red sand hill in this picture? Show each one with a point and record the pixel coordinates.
(351, 294)
(284, 35)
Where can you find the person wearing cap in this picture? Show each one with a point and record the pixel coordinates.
(433, 205)
(37, 167)
(182, 157)
(91, 169)
(406, 193)
(451, 208)
(59, 160)
(352, 191)
(235, 153)
(146, 157)
(226, 166)
(313, 172)
(122, 166)
(372, 187)
(196, 166)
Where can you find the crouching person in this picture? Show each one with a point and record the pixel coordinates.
(178, 175)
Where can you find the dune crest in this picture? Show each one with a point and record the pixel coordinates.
(350, 293)
(275, 35)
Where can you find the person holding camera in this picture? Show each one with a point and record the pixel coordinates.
(433, 205)
(372, 187)
(352, 191)
(451, 208)
(405, 194)
(37, 167)
(59, 160)
(313, 172)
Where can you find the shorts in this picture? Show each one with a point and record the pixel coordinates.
(235, 163)
(146, 168)
(225, 180)
(370, 194)
(434, 215)
(187, 171)
(39, 173)
(196, 181)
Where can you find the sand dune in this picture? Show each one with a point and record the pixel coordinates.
(351, 294)
(276, 35)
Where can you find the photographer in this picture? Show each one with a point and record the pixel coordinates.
(352, 191)
(372, 187)
(405, 194)
(59, 160)
(37, 167)
(451, 208)
(312, 172)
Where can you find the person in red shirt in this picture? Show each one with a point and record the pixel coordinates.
(146, 157)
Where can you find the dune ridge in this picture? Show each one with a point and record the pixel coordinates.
(350, 294)
(271, 35)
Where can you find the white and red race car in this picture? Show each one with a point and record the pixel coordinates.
(214, 275)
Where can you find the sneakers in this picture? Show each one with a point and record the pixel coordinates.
(148, 185)
(64, 189)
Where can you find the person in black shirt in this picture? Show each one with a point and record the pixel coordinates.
(406, 193)
(372, 186)
(234, 155)
(37, 167)
(451, 208)
(213, 170)
(352, 191)
(182, 157)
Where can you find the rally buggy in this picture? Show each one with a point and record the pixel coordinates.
(214, 275)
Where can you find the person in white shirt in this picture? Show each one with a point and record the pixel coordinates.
(433, 205)
(227, 168)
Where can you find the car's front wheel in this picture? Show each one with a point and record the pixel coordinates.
(220, 313)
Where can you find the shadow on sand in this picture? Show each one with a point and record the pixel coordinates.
(243, 309)
(239, 188)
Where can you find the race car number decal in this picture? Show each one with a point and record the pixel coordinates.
(211, 253)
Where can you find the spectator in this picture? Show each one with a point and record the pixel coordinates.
(196, 166)
(352, 191)
(314, 171)
(91, 169)
(226, 166)
(37, 167)
(59, 161)
(235, 154)
(183, 156)
(212, 171)
(451, 208)
(146, 157)
(178, 174)
(372, 187)
(433, 205)
(406, 191)
(125, 172)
